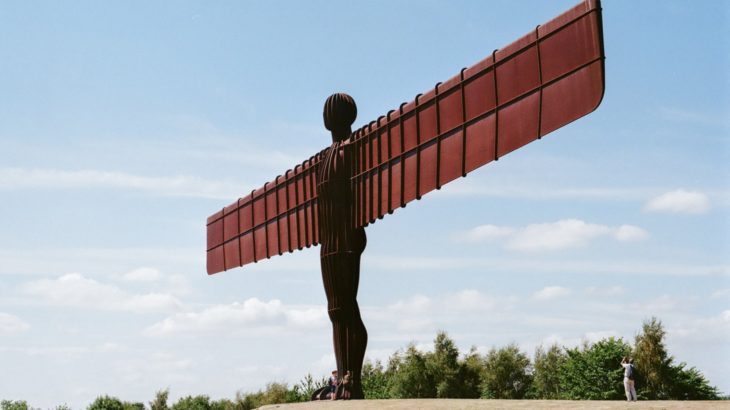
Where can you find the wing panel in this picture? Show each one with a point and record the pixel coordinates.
(232, 252)
(247, 249)
(214, 260)
(428, 168)
(572, 98)
(396, 184)
(450, 157)
(480, 137)
(518, 124)
(479, 95)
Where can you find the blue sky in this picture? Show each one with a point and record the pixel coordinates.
(124, 125)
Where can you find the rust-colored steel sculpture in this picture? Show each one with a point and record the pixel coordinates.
(539, 83)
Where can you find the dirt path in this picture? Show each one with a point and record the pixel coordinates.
(434, 404)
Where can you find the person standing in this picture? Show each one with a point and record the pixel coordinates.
(333, 382)
(629, 387)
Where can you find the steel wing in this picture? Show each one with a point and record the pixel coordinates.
(539, 83)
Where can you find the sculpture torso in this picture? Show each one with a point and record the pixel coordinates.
(334, 198)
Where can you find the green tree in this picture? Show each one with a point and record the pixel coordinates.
(471, 369)
(112, 403)
(106, 403)
(160, 401)
(593, 372)
(200, 402)
(652, 361)
(274, 393)
(690, 384)
(14, 405)
(375, 380)
(507, 373)
(411, 378)
(658, 376)
(307, 386)
(223, 404)
(546, 374)
(245, 402)
(443, 366)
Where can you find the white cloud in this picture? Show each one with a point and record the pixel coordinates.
(53, 179)
(702, 329)
(510, 188)
(609, 291)
(142, 274)
(663, 303)
(11, 324)
(676, 114)
(485, 233)
(630, 233)
(65, 352)
(417, 305)
(175, 284)
(167, 366)
(551, 292)
(74, 290)
(251, 316)
(470, 300)
(102, 261)
(537, 265)
(563, 234)
(551, 236)
(679, 201)
(593, 337)
(721, 293)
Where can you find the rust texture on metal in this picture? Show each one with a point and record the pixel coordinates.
(520, 93)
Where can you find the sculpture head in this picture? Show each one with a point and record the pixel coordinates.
(339, 113)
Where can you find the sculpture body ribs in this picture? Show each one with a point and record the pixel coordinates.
(539, 83)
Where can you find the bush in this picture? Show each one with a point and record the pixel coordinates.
(14, 405)
(546, 375)
(506, 374)
(594, 372)
(375, 381)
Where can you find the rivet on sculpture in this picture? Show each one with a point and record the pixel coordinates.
(546, 79)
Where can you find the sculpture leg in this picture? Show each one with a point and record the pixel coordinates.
(341, 274)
